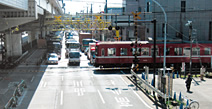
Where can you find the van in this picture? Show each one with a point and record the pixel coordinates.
(74, 57)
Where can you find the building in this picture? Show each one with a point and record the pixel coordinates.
(179, 12)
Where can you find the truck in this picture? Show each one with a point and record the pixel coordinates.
(84, 36)
(74, 57)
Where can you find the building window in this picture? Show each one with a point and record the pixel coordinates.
(123, 52)
(148, 7)
(195, 51)
(183, 6)
(210, 31)
(207, 51)
(103, 52)
(145, 51)
(111, 51)
(178, 51)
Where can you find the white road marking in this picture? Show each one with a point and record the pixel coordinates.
(113, 83)
(124, 80)
(62, 78)
(61, 99)
(81, 83)
(142, 100)
(103, 101)
(77, 84)
(116, 92)
(41, 84)
(136, 94)
(32, 78)
(74, 83)
(44, 84)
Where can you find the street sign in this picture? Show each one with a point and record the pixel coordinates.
(136, 15)
(183, 66)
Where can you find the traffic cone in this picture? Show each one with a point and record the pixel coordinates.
(187, 103)
(173, 76)
(174, 96)
(143, 76)
(181, 106)
(177, 75)
(152, 82)
(180, 97)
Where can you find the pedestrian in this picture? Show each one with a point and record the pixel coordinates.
(188, 82)
(202, 71)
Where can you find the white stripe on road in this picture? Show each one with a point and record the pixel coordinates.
(81, 83)
(74, 83)
(62, 78)
(103, 101)
(136, 94)
(32, 78)
(61, 99)
(44, 84)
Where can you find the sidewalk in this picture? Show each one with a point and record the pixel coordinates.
(201, 91)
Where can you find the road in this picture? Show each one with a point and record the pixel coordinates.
(83, 87)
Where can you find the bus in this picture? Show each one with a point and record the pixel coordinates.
(85, 43)
(71, 44)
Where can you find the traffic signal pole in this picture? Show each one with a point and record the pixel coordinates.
(154, 54)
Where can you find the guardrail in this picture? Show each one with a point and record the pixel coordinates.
(149, 85)
(17, 92)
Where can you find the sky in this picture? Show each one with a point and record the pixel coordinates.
(74, 6)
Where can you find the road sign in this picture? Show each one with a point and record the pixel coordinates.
(183, 66)
(136, 15)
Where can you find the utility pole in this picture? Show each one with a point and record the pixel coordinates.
(154, 54)
(106, 10)
(189, 24)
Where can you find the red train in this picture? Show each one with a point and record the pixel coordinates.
(115, 54)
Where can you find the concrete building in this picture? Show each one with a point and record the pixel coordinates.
(179, 12)
(17, 16)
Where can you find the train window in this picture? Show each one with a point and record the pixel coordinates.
(207, 51)
(123, 52)
(186, 51)
(134, 51)
(195, 51)
(152, 51)
(167, 51)
(178, 51)
(111, 51)
(103, 52)
(144, 51)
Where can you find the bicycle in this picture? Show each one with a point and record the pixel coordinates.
(193, 105)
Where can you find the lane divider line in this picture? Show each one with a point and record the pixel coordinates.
(61, 98)
(137, 94)
(103, 101)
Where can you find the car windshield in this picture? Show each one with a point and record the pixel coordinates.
(74, 55)
(52, 56)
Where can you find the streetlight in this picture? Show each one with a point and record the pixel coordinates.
(189, 24)
(164, 53)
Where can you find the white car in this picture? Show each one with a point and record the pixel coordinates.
(52, 58)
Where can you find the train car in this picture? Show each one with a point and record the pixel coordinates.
(114, 54)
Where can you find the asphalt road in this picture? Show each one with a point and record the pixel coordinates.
(78, 87)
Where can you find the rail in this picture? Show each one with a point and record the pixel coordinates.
(149, 85)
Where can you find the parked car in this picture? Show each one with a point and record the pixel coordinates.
(52, 58)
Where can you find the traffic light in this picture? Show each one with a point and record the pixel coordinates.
(117, 27)
(110, 27)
